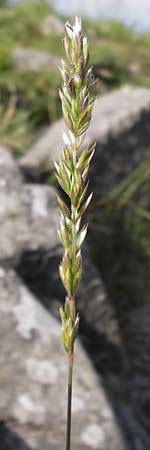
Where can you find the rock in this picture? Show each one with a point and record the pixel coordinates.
(28, 227)
(31, 350)
(25, 210)
(10, 440)
(29, 241)
(138, 348)
(10, 176)
(120, 126)
(40, 157)
(93, 302)
(40, 272)
(52, 25)
(33, 363)
(30, 59)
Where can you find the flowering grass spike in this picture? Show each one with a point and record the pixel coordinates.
(72, 172)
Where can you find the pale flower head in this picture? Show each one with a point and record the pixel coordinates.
(77, 26)
(74, 30)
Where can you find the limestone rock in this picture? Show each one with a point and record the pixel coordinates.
(31, 355)
(33, 378)
(52, 25)
(120, 127)
(28, 226)
(10, 176)
(30, 59)
(29, 241)
(27, 218)
(41, 156)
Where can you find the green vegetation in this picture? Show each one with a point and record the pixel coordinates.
(130, 199)
(29, 100)
(122, 237)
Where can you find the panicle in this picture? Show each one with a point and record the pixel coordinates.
(72, 171)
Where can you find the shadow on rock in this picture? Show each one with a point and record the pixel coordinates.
(10, 440)
(109, 354)
(125, 271)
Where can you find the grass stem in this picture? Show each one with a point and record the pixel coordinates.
(69, 401)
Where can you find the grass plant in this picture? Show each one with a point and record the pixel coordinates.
(72, 172)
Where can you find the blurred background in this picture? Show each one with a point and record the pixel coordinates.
(112, 377)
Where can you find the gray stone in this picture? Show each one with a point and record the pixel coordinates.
(33, 378)
(52, 25)
(30, 336)
(10, 176)
(28, 214)
(29, 241)
(28, 226)
(120, 127)
(46, 149)
(30, 59)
